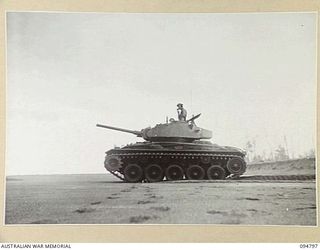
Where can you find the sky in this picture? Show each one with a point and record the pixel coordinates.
(252, 76)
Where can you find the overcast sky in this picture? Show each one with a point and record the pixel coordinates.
(252, 76)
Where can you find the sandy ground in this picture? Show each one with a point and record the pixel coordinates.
(102, 199)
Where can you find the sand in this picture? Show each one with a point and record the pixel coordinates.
(102, 199)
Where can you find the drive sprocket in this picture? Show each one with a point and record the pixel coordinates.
(113, 163)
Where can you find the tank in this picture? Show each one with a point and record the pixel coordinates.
(173, 151)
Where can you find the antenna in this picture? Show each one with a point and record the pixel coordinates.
(286, 145)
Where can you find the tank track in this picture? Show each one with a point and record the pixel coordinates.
(125, 156)
(278, 178)
(117, 174)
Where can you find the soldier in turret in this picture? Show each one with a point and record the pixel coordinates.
(182, 113)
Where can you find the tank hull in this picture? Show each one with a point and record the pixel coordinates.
(157, 161)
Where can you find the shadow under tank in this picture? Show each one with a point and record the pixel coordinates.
(175, 150)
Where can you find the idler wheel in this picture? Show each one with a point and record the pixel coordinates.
(174, 173)
(154, 173)
(236, 166)
(133, 173)
(195, 172)
(216, 172)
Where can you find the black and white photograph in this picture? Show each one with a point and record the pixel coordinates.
(161, 118)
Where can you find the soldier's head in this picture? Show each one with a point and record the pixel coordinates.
(180, 105)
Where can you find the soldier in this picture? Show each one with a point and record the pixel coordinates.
(182, 113)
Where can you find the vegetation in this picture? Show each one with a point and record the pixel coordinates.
(280, 153)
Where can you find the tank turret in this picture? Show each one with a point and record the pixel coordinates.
(173, 131)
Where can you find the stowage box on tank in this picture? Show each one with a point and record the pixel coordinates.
(174, 150)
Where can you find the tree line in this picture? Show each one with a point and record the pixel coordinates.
(280, 153)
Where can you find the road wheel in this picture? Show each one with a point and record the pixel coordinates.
(216, 172)
(154, 173)
(174, 173)
(195, 172)
(236, 166)
(133, 173)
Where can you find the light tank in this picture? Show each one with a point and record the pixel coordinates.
(173, 151)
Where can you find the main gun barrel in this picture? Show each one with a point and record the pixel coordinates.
(137, 133)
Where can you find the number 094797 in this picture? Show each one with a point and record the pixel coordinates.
(308, 246)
